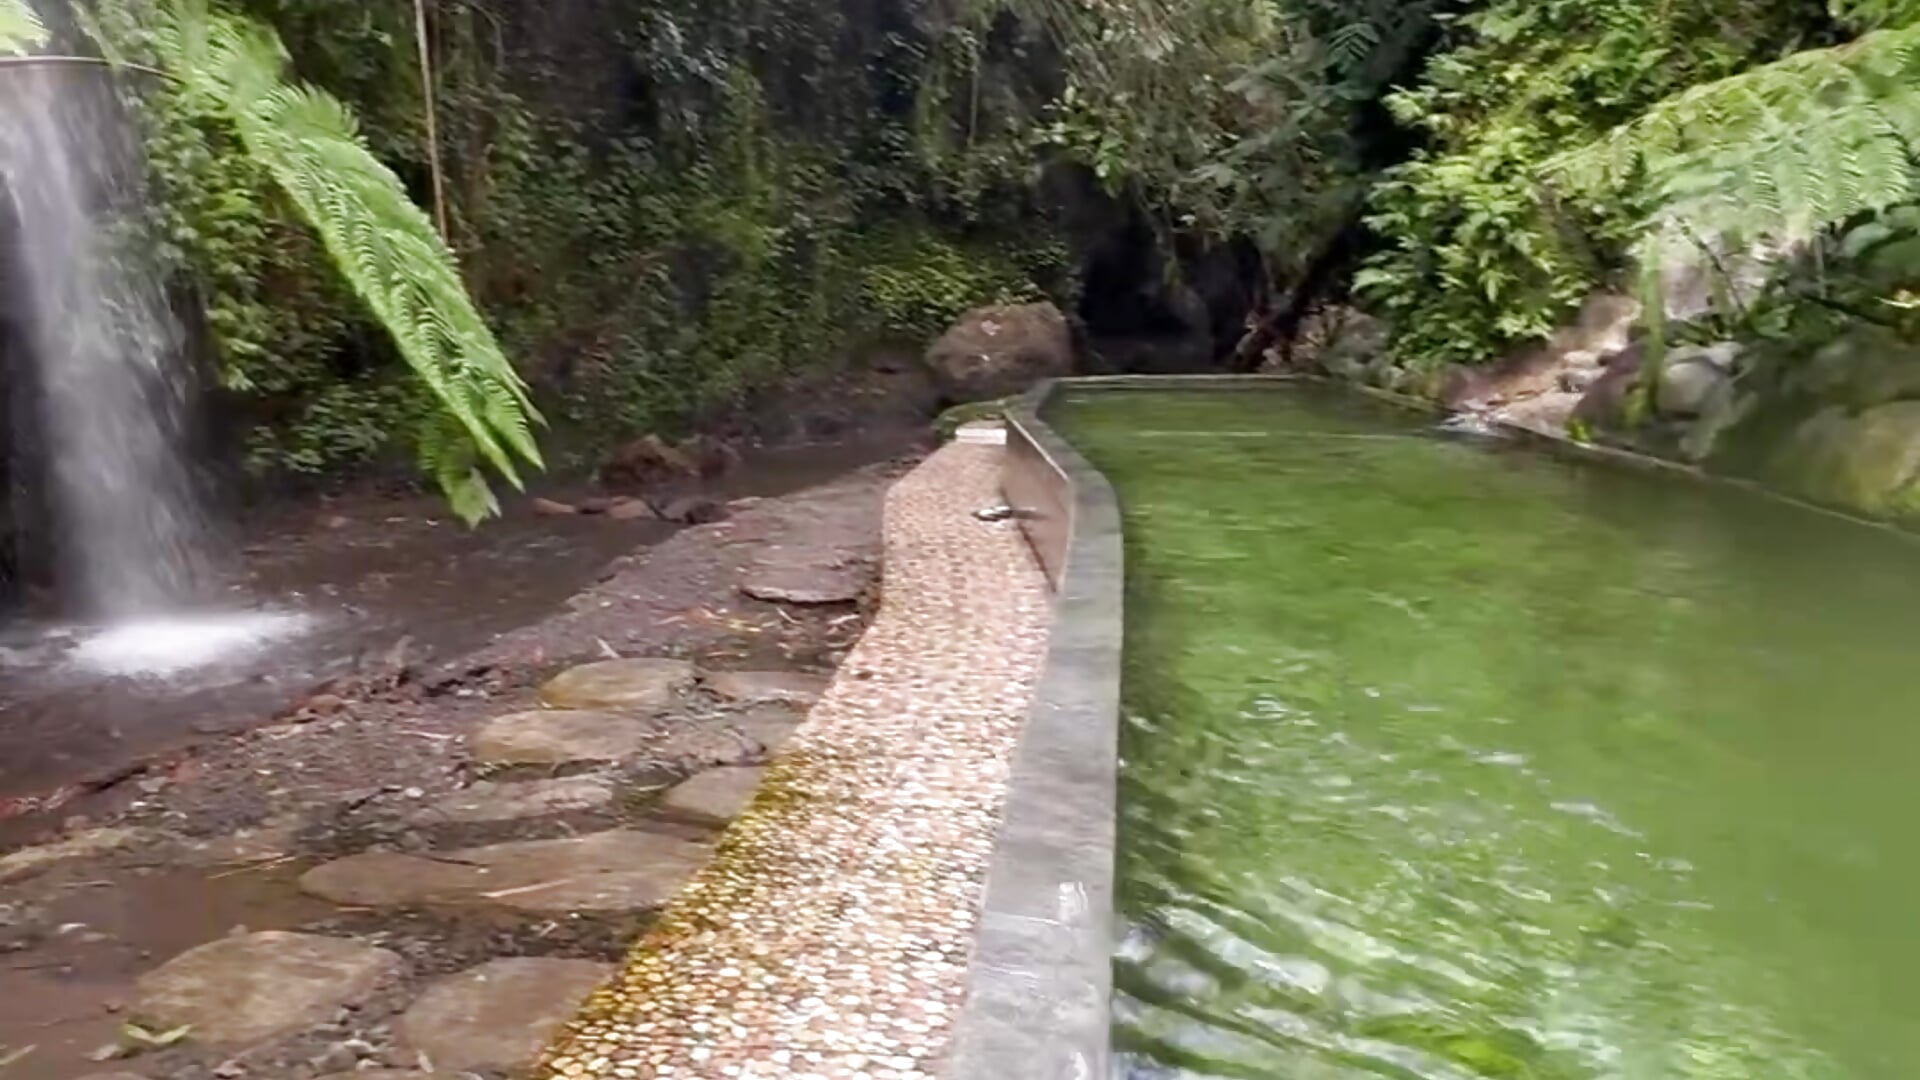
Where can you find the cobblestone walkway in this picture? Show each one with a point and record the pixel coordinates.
(829, 937)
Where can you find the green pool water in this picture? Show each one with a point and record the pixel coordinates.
(1445, 759)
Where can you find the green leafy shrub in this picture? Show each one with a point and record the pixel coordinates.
(1477, 255)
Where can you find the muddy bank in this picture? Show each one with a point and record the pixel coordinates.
(211, 842)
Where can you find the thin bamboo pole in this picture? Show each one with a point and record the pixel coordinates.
(433, 118)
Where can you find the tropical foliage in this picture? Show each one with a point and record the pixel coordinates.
(20, 28)
(1780, 153)
(667, 205)
(384, 246)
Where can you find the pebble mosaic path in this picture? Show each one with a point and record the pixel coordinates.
(829, 937)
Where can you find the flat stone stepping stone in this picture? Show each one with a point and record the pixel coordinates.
(619, 870)
(498, 1015)
(82, 845)
(619, 685)
(805, 582)
(251, 988)
(768, 687)
(490, 801)
(562, 737)
(717, 793)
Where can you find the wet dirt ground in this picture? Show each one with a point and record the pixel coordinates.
(381, 576)
(238, 788)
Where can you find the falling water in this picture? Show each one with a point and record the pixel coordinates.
(112, 398)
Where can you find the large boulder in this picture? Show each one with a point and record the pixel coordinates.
(1608, 399)
(1694, 381)
(646, 464)
(1867, 461)
(999, 351)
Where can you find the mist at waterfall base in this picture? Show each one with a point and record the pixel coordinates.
(109, 395)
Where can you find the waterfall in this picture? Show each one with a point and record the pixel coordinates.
(105, 355)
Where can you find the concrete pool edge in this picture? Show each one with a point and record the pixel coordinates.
(1040, 985)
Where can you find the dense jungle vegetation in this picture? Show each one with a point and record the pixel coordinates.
(661, 206)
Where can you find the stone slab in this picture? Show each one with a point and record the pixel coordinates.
(619, 870)
(510, 801)
(646, 684)
(561, 737)
(29, 861)
(719, 794)
(806, 582)
(255, 987)
(498, 1015)
(768, 687)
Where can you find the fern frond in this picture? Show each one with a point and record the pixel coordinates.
(384, 245)
(1776, 153)
(21, 31)
(1875, 13)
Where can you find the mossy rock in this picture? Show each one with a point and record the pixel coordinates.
(1867, 461)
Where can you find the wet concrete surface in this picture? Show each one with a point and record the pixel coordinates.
(383, 577)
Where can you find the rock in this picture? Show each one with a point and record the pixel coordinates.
(694, 510)
(646, 684)
(1862, 367)
(763, 687)
(1689, 387)
(274, 838)
(498, 1015)
(821, 580)
(554, 508)
(1869, 462)
(765, 730)
(1605, 404)
(1724, 355)
(598, 504)
(391, 1074)
(717, 793)
(254, 987)
(1546, 413)
(646, 463)
(743, 740)
(488, 801)
(562, 737)
(1600, 331)
(631, 509)
(995, 352)
(113, 1076)
(1579, 380)
(620, 870)
(29, 861)
(710, 457)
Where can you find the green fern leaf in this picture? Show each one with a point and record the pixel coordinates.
(384, 245)
(21, 31)
(1780, 152)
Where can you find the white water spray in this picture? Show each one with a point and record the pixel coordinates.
(106, 355)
